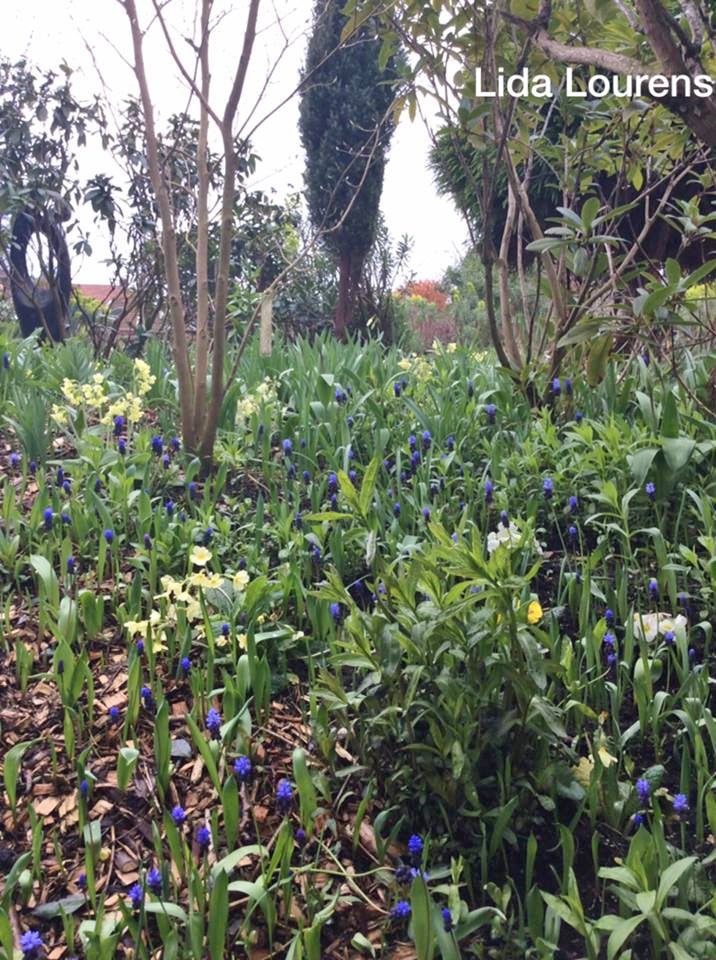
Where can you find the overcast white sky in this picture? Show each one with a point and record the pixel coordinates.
(48, 31)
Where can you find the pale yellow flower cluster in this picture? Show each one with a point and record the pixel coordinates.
(94, 395)
(145, 379)
(181, 592)
(59, 415)
(420, 367)
(91, 394)
(251, 403)
(438, 347)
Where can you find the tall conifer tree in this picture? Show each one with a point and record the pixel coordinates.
(346, 126)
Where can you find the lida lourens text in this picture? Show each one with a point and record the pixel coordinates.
(599, 85)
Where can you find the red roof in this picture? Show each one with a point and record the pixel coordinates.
(103, 292)
(111, 298)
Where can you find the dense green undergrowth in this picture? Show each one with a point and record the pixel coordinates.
(495, 624)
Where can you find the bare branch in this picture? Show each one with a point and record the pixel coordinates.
(631, 17)
(191, 81)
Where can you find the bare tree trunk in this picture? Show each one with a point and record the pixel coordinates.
(508, 328)
(227, 219)
(202, 239)
(342, 314)
(169, 243)
(266, 326)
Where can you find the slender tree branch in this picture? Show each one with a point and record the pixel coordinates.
(169, 245)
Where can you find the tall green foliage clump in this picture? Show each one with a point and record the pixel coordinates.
(346, 125)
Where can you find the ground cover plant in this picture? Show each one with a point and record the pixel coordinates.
(418, 670)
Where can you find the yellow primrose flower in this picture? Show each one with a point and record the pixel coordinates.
(199, 579)
(451, 347)
(193, 610)
(59, 415)
(158, 645)
(534, 612)
(240, 580)
(168, 583)
(583, 771)
(134, 627)
(405, 364)
(261, 619)
(243, 641)
(69, 391)
(221, 640)
(200, 556)
(605, 757)
(134, 408)
(214, 581)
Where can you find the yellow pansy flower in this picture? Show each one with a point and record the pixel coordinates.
(534, 612)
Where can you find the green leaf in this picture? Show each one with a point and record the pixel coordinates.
(326, 515)
(673, 272)
(48, 578)
(621, 875)
(563, 911)
(420, 907)
(11, 770)
(362, 943)
(126, 762)
(621, 933)
(258, 897)
(230, 805)
(92, 835)
(206, 754)
(645, 900)
(677, 451)
(368, 485)
(347, 489)
(55, 908)
(670, 877)
(598, 358)
(670, 416)
(640, 463)
(166, 909)
(162, 746)
(219, 914)
(589, 211)
(476, 919)
(231, 860)
(306, 790)
(6, 937)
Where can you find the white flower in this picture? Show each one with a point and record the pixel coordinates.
(647, 626)
(508, 537)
